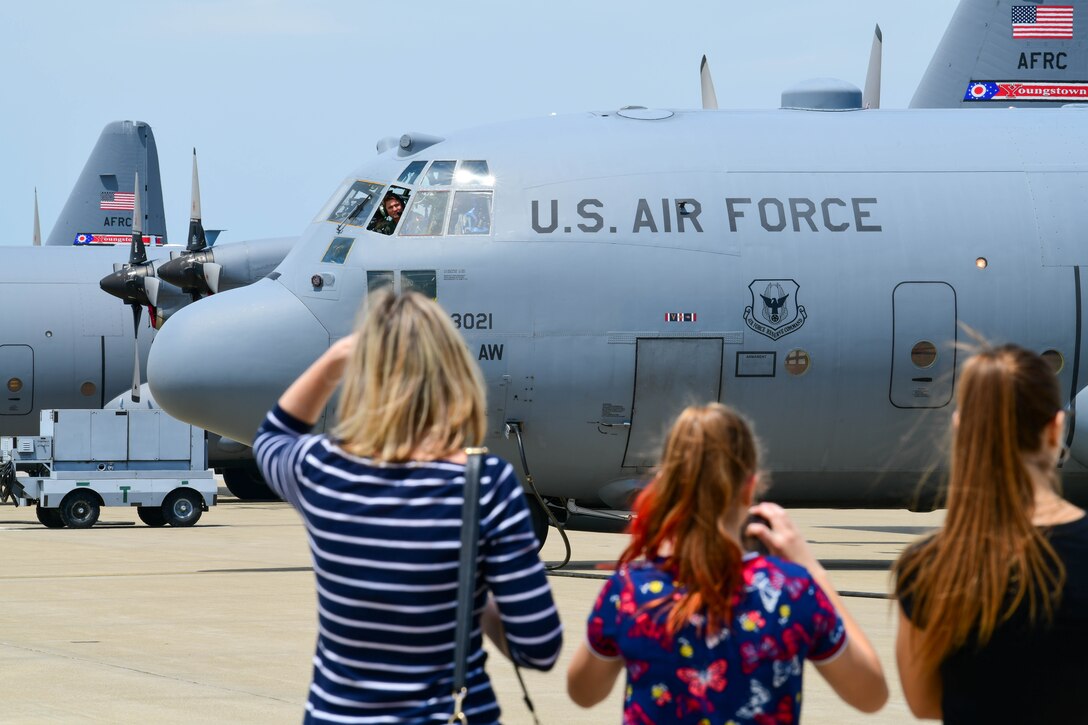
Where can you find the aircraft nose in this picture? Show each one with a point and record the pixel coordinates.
(222, 362)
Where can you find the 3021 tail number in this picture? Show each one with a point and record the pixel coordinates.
(471, 320)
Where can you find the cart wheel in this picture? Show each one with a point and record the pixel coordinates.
(80, 509)
(182, 507)
(151, 515)
(50, 518)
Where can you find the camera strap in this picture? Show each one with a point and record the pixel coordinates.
(466, 588)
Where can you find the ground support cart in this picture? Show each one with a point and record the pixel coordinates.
(86, 459)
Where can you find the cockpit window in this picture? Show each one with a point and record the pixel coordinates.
(411, 172)
(473, 173)
(354, 208)
(471, 213)
(338, 250)
(427, 214)
(388, 213)
(440, 174)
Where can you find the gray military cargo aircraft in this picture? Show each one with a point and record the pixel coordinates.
(814, 266)
(63, 343)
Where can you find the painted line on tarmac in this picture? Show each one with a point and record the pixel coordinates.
(584, 575)
(99, 663)
(132, 574)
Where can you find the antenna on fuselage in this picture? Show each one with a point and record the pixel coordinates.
(871, 96)
(710, 98)
(37, 221)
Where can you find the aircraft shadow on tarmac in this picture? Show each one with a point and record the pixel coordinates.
(603, 569)
(912, 530)
(257, 570)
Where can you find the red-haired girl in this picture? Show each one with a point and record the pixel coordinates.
(706, 632)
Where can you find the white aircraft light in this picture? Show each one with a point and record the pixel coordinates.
(981, 263)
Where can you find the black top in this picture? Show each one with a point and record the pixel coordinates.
(1026, 673)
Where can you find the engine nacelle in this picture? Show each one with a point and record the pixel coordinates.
(1078, 447)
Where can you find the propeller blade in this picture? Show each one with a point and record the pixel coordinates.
(211, 275)
(136, 312)
(151, 288)
(137, 255)
(710, 98)
(871, 96)
(197, 240)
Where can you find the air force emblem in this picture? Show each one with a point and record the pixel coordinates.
(778, 312)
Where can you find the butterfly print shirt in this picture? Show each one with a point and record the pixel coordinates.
(747, 673)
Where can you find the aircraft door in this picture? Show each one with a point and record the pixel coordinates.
(17, 378)
(923, 344)
(670, 374)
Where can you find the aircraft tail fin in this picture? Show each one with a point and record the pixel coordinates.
(1000, 53)
(99, 209)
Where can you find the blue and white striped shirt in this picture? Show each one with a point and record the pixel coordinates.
(385, 539)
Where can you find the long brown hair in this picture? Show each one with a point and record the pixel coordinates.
(690, 509)
(988, 559)
(410, 382)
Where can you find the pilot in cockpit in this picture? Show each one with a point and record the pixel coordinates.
(388, 214)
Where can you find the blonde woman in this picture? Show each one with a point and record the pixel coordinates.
(993, 623)
(381, 500)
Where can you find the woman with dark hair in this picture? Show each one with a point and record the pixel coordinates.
(993, 622)
(381, 499)
(703, 629)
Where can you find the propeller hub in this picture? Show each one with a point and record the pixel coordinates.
(187, 272)
(129, 284)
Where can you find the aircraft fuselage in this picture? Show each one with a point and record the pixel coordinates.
(818, 271)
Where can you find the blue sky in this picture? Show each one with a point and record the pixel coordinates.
(283, 98)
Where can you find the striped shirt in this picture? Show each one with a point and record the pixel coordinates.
(385, 540)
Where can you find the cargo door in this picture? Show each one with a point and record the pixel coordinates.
(670, 374)
(923, 344)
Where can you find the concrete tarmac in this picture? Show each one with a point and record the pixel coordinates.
(122, 623)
